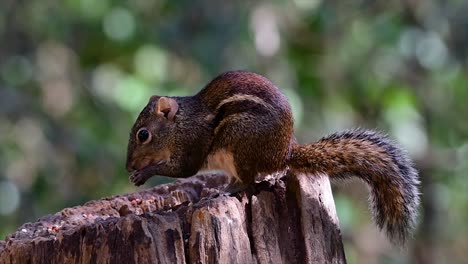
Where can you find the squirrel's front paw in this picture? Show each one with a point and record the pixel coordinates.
(138, 178)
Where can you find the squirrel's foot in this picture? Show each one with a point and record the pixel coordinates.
(236, 187)
(214, 194)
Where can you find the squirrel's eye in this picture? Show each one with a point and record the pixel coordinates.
(143, 135)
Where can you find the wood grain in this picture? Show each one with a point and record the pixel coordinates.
(288, 219)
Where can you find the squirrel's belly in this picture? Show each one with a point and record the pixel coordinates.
(222, 160)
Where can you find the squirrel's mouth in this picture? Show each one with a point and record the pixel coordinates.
(137, 166)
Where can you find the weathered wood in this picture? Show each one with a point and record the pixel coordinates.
(288, 219)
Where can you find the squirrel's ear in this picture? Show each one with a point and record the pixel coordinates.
(167, 107)
(154, 98)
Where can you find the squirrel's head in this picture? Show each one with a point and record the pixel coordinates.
(149, 142)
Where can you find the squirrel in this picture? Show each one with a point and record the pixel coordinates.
(242, 123)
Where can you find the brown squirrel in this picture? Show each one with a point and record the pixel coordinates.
(241, 123)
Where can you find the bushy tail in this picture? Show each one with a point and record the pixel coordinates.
(394, 195)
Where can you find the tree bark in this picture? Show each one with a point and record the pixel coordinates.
(284, 219)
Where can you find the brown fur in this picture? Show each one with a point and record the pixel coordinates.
(242, 123)
(374, 159)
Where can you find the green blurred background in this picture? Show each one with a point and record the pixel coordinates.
(74, 74)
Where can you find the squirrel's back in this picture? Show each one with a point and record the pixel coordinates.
(252, 125)
(243, 86)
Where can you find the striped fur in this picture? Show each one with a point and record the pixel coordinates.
(242, 123)
(372, 157)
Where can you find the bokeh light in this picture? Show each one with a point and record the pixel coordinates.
(75, 74)
(119, 24)
(9, 197)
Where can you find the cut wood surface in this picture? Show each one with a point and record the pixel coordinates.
(286, 219)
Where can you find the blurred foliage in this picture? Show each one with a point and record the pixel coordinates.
(74, 74)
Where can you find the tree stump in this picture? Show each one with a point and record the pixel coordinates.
(286, 219)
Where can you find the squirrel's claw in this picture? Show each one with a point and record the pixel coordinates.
(138, 178)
